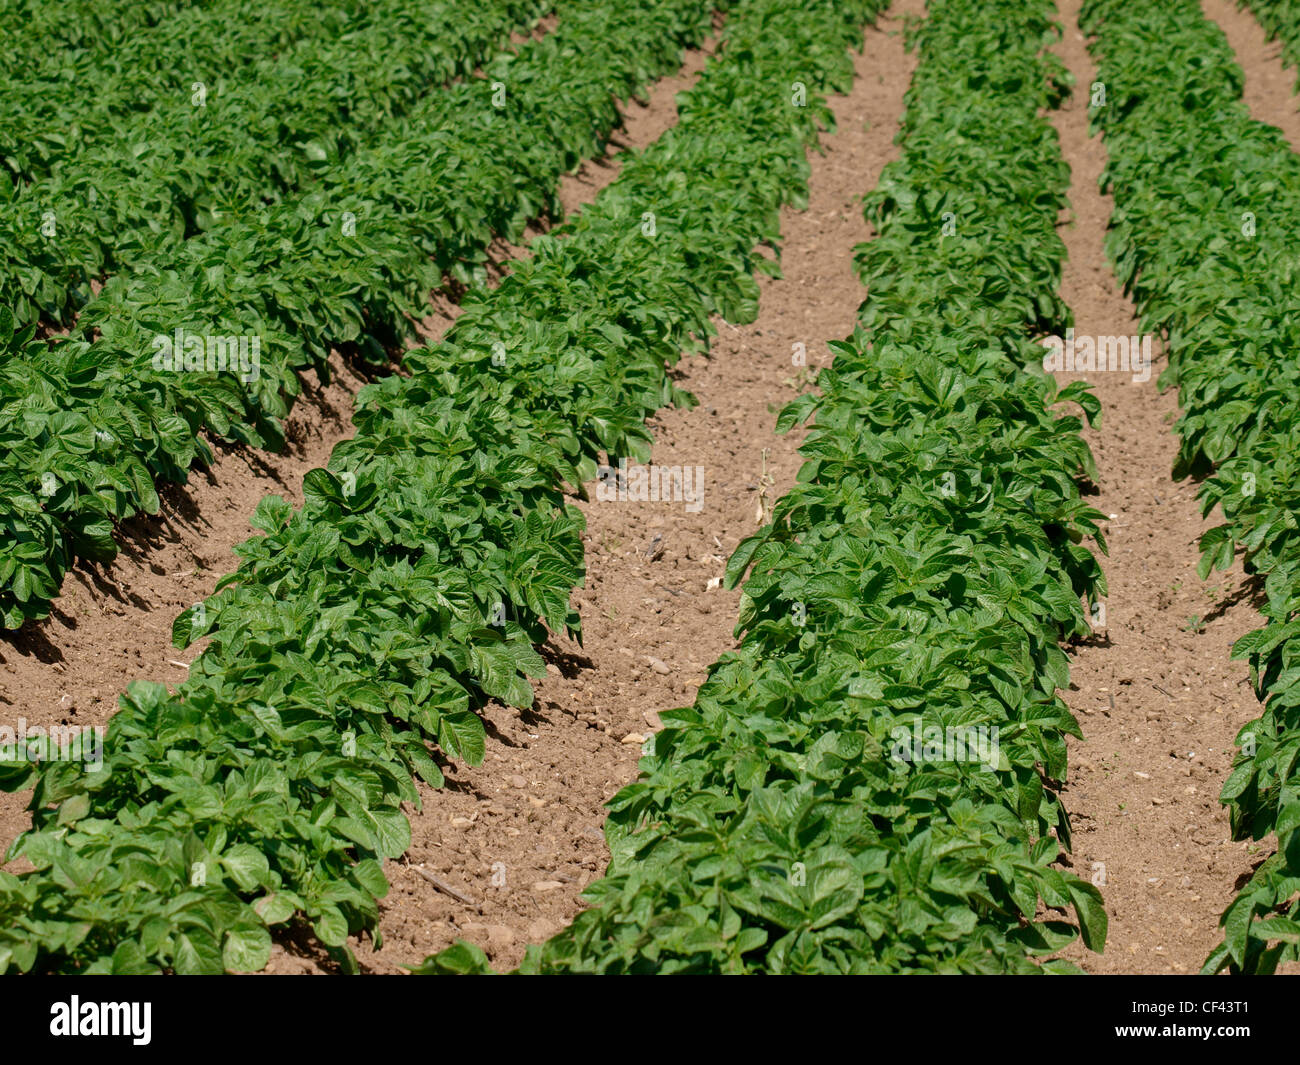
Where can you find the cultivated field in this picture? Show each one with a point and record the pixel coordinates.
(650, 486)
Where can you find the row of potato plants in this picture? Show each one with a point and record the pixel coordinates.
(1204, 236)
(132, 60)
(105, 173)
(31, 28)
(89, 427)
(252, 61)
(919, 577)
(425, 565)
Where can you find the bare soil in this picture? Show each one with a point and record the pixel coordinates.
(1157, 696)
(1270, 87)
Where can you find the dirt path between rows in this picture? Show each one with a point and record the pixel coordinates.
(1156, 694)
(521, 835)
(1270, 87)
(112, 624)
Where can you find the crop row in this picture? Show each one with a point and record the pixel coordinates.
(425, 566)
(182, 157)
(252, 62)
(866, 784)
(110, 69)
(1204, 236)
(88, 428)
(31, 28)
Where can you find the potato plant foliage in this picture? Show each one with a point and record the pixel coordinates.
(775, 829)
(88, 429)
(350, 649)
(310, 173)
(130, 151)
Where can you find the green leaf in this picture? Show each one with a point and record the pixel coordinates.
(460, 959)
(246, 865)
(246, 950)
(331, 927)
(276, 907)
(1091, 914)
(197, 954)
(462, 735)
(370, 875)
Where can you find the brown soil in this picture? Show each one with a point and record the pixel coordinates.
(521, 834)
(1270, 87)
(1157, 696)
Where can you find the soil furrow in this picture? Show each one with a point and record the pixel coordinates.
(1270, 87)
(1157, 696)
(520, 835)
